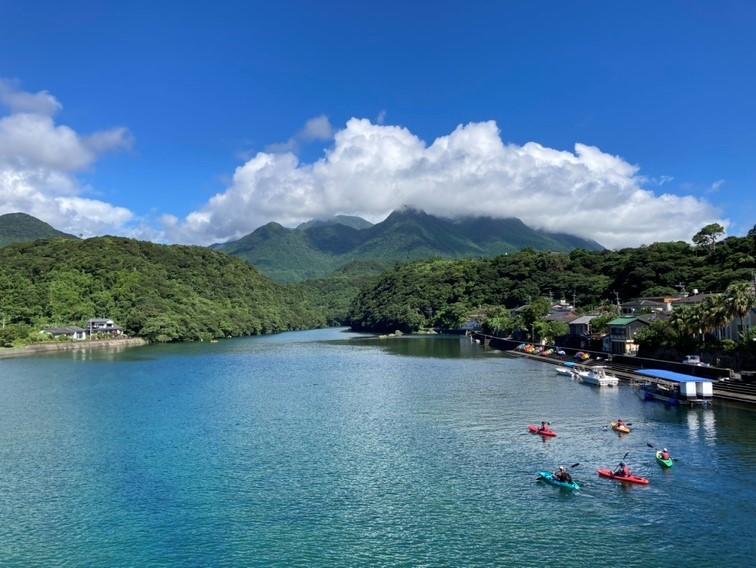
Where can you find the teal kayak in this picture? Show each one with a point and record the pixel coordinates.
(548, 477)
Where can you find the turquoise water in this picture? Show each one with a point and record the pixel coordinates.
(308, 449)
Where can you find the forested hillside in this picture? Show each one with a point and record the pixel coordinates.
(435, 292)
(318, 248)
(162, 293)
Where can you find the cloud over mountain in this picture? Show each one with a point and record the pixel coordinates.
(39, 160)
(372, 169)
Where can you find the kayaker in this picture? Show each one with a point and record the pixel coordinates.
(563, 475)
(665, 454)
(544, 427)
(620, 423)
(622, 470)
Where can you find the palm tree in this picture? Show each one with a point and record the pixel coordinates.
(715, 313)
(740, 300)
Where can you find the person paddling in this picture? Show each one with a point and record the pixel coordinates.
(563, 475)
(544, 427)
(620, 423)
(622, 470)
(665, 455)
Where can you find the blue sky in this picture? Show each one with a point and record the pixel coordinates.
(203, 86)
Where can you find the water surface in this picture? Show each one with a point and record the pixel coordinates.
(327, 449)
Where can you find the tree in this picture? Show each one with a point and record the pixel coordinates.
(739, 300)
(708, 235)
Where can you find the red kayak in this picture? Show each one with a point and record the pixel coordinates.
(537, 430)
(609, 474)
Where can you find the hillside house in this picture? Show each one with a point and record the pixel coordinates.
(103, 327)
(75, 333)
(581, 327)
(622, 333)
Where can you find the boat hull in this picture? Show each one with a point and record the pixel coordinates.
(662, 462)
(535, 430)
(548, 477)
(620, 428)
(634, 479)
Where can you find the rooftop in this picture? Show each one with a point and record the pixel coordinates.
(583, 320)
(672, 376)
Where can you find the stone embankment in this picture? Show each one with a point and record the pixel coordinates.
(44, 348)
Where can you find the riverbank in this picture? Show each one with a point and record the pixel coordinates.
(725, 390)
(44, 348)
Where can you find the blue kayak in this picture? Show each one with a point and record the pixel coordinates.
(548, 477)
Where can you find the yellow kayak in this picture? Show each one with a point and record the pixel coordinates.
(620, 428)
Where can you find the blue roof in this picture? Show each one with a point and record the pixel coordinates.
(672, 376)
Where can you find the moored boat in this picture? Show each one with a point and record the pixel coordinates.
(676, 388)
(597, 376)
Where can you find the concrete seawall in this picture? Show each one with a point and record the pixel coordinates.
(45, 348)
(622, 371)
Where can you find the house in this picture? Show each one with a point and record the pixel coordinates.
(75, 333)
(581, 327)
(622, 331)
(646, 305)
(103, 326)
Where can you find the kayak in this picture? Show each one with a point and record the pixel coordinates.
(537, 430)
(662, 461)
(548, 477)
(609, 474)
(622, 429)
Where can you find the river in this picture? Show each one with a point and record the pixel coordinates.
(324, 448)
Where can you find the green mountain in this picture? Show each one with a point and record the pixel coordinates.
(162, 293)
(21, 228)
(318, 248)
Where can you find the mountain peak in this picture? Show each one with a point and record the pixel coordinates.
(21, 228)
(347, 220)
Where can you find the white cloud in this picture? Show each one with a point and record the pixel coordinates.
(317, 128)
(39, 160)
(716, 186)
(372, 169)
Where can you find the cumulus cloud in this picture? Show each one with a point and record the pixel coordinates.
(39, 160)
(317, 128)
(372, 169)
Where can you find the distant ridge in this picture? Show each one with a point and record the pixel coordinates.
(22, 228)
(317, 248)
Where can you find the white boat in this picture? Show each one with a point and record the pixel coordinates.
(597, 376)
(564, 371)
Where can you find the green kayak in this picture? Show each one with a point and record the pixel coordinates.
(662, 461)
(548, 477)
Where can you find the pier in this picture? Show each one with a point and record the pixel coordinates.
(724, 388)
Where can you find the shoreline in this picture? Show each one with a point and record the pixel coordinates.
(46, 348)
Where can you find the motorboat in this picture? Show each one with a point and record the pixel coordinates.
(597, 376)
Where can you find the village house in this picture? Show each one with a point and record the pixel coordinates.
(622, 331)
(103, 327)
(75, 333)
(581, 327)
(647, 305)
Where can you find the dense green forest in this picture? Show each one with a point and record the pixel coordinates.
(159, 292)
(441, 292)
